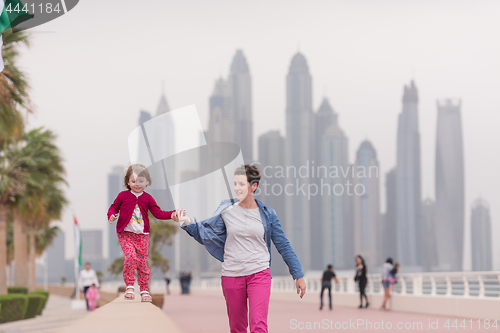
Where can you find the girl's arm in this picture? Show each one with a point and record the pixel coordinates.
(284, 248)
(115, 206)
(158, 213)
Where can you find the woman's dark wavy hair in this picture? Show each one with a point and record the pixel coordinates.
(362, 261)
(251, 171)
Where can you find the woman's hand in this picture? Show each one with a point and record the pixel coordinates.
(301, 286)
(182, 216)
(112, 218)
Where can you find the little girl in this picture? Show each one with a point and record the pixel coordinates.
(133, 228)
(391, 278)
(92, 296)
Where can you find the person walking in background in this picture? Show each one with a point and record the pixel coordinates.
(188, 282)
(183, 279)
(392, 275)
(133, 228)
(362, 280)
(87, 278)
(167, 280)
(386, 269)
(92, 295)
(326, 283)
(239, 234)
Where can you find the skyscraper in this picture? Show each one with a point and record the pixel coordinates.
(299, 123)
(449, 186)
(240, 89)
(429, 240)
(92, 249)
(481, 236)
(115, 186)
(366, 199)
(272, 159)
(56, 268)
(389, 246)
(408, 187)
(324, 118)
(330, 228)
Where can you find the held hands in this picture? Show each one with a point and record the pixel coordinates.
(301, 286)
(112, 218)
(181, 216)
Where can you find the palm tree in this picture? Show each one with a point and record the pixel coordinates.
(13, 100)
(10, 185)
(41, 235)
(14, 88)
(41, 201)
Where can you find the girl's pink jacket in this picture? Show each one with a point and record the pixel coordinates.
(93, 294)
(125, 204)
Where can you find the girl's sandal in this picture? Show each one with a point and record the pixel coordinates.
(129, 291)
(146, 297)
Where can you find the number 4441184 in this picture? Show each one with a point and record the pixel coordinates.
(40, 8)
(479, 324)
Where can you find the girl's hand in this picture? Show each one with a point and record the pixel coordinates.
(112, 218)
(175, 217)
(301, 286)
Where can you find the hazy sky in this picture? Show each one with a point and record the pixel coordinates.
(94, 68)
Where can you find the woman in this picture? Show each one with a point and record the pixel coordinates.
(240, 234)
(361, 278)
(386, 269)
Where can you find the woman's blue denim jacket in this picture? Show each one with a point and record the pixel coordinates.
(212, 234)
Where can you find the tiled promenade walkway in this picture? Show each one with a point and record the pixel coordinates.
(206, 313)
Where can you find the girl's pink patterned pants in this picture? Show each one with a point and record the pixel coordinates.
(135, 250)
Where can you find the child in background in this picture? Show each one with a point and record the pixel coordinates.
(391, 278)
(92, 296)
(133, 227)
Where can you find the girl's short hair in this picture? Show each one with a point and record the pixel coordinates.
(140, 170)
(251, 171)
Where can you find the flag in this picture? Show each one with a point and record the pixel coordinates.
(78, 245)
(12, 15)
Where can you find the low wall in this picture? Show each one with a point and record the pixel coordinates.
(122, 315)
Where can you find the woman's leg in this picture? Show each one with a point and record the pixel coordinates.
(362, 287)
(129, 264)
(386, 298)
(235, 293)
(142, 246)
(259, 291)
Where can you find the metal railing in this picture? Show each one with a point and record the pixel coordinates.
(459, 284)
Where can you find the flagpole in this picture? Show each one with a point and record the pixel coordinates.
(77, 304)
(77, 248)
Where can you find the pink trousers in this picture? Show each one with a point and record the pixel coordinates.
(257, 289)
(135, 251)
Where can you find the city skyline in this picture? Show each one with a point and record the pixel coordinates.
(453, 70)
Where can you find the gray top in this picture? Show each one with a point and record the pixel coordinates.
(386, 269)
(245, 251)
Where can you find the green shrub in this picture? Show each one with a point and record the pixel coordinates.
(17, 290)
(14, 307)
(35, 301)
(44, 293)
